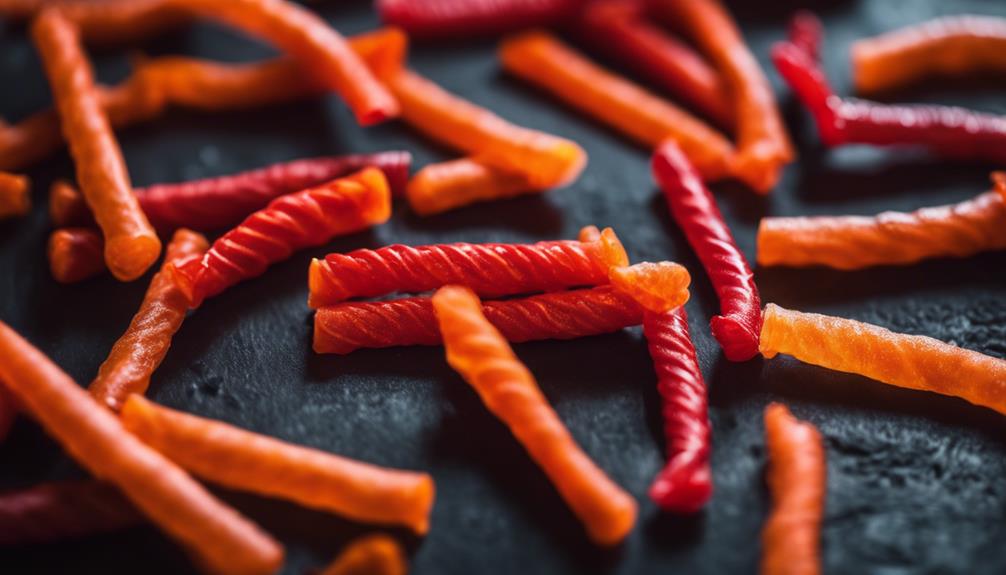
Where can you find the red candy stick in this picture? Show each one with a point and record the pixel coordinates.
(308, 218)
(620, 28)
(489, 269)
(695, 210)
(457, 18)
(944, 130)
(220, 202)
(685, 484)
(63, 510)
(348, 326)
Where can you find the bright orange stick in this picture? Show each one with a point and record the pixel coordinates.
(763, 146)
(14, 195)
(103, 21)
(94, 436)
(248, 461)
(447, 185)
(951, 46)
(139, 351)
(911, 361)
(319, 48)
(480, 354)
(545, 61)
(658, 287)
(797, 476)
(371, 555)
(75, 254)
(890, 238)
(547, 161)
(131, 246)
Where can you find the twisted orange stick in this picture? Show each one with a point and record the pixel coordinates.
(911, 361)
(447, 185)
(371, 555)
(797, 476)
(890, 238)
(14, 198)
(480, 354)
(139, 351)
(244, 460)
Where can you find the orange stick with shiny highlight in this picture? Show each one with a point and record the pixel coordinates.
(545, 61)
(131, 245)
(480, 354)
(371, 555)
(448, 185)
(15, 199)
(243, 460)
(911, 361)
(763, 146)
(889, 238)
(320, 49)
(546, 160)
(75, 254)
(223, 540)
(139, 351)
(951, 46)
(658, 287)
(797, 477)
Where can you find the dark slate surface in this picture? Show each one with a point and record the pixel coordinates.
(915, 481)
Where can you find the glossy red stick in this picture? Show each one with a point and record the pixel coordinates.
(695, 210)
(468, 18)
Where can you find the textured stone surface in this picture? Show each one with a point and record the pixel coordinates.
(915, 481)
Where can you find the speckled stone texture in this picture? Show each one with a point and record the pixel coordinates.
(917, 483)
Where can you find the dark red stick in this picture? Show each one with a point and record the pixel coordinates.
(468, 18)
(61, 510)
(695, 210)
(685, 484)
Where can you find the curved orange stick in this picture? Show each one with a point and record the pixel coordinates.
(890, 238)
(103, 21)
(131, 246)
(447, 185)
(658, 287)
(763, 146)
(911, 361)
(139, 351)
(371, 555)
(319, 48)
(14, 195)
(75, 254)
(546, 160)
(94, 436)
(480, 354)
(950, 46)
(248, 461)
(797, 476)
(545, 61)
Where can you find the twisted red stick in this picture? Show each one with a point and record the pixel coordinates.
(685, 483)
(289, 223)
(348, 326)
(695, 210)
(61, 510)
(489, 269)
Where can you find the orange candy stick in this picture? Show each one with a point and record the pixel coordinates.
(243, 460)
(890, 238)
(797, 476)
(14, 195)
(131, 246)
(545, 61)
(546, 160)
(65, 204)
(103, 21)
(75, 254)
(658, 287)
(951, 46)
(139, 351)
(319, 48)
(94, 436)
(371, 555)
(480, 354)
(447, 185)
(999, 180)
(763, 146)
(911, 361)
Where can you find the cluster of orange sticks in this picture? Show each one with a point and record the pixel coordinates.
(480, 297)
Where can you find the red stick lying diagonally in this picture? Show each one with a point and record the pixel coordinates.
(943, 130)
(695, 210)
